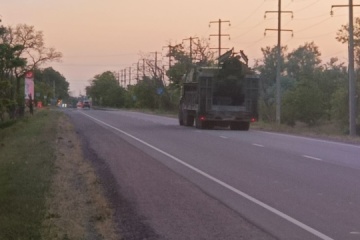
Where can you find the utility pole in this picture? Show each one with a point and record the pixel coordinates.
(156, 66)
(124, 77)
(121, 77)
(219, 34)
(191, 42)
(129, 75)
(278, 68)
(137, 71)
(143, 67)
(170, 54)
(352, 81)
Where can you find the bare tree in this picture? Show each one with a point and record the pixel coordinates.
(33, 49)
(202, 51)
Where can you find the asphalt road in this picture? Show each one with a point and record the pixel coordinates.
(185, 183)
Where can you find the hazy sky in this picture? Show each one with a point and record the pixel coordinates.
(99, 35)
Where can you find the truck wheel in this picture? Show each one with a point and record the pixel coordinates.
(180, 116)
(244, 126)
(189, 120)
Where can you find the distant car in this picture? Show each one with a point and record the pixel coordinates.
(86, 105)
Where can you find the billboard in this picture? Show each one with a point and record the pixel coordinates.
(29, 85)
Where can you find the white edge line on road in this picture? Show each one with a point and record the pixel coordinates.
(313, 158)
(227, 186)
(313, 139)
(224, 137)
(258, 145)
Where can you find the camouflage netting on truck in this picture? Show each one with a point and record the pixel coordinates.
(229, 84)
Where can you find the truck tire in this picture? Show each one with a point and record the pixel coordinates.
(244, 126)
(188, 119)
(180, 116)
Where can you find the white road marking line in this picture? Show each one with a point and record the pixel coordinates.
(313, 139)
(258, 145)
(313, 158)
(224, 137)
(225, 185)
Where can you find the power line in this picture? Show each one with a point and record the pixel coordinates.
(248, 16)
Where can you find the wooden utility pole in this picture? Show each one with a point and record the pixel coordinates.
(143, 67)
(129, 75)
(278, 67)
(352, 81)
(155, 64)
(137, 71)
(122, 77)
(191, 42)
(219, 35)
(170, 53)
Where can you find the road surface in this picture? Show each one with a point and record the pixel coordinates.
(185, 183)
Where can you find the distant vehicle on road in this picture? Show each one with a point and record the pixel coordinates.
(86, 105)
(225, 95)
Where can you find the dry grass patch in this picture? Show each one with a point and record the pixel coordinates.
(77, 208)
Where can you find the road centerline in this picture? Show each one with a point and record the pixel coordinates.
(313, 158)
(225, 185)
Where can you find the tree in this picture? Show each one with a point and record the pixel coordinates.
(304, 61)
(31, 47)
(200, 53)
(333, 78)
(105, 90)
(203, 54)
(266, 67)
(342, 36)
(181, 65)
(144, 93)
(304, 103)
(9, 60)
(49, 83)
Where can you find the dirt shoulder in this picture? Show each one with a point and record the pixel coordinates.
(76, 206)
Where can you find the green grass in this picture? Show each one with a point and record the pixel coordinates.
(26, 166)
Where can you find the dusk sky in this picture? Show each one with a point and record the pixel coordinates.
(95, 36)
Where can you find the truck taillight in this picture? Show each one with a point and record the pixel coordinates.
(202, 118)
(253, 119)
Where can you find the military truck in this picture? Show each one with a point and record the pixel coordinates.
(225, 95)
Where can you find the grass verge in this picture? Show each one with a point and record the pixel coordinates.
(47, 189)
(26, 166)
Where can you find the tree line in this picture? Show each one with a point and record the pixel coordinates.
(22, 49)
(312, 92)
